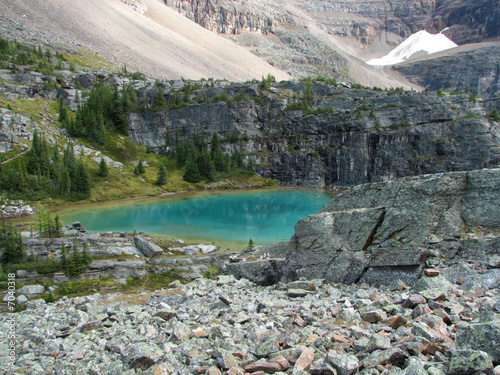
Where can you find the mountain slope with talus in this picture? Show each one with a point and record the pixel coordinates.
(145, 35)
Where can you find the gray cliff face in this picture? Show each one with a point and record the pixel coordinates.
(364, 136)
(470, 21)
(477, 69)
(224, 17)
(384, 232)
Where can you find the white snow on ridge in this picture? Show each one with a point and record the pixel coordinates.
(421, 41)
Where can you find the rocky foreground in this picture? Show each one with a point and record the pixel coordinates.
(448, 323)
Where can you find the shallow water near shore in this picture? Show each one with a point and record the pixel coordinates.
(265, 216)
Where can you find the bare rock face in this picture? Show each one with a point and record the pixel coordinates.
(226, 17)
(362, 136)
(476, 70)
(384, 232)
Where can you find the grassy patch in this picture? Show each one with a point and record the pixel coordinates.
(86, 58)
(35, 108)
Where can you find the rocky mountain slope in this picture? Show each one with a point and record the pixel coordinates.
(145, 36)
(330, 37)
(292, 38)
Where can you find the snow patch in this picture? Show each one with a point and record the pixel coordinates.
(420, 42)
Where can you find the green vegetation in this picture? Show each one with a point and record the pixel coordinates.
(494, 116)
(11, 243)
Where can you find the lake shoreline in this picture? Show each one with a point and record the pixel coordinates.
(216, 215)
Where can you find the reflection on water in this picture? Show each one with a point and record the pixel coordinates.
(265, 216)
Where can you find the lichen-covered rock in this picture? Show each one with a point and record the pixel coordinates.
(464, 362)
(480, 337)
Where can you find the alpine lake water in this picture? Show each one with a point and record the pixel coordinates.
(230, 217)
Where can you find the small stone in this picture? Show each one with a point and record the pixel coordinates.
(161, 369)
(235, 371)
(267, 367)
(198, 332)
(225, 299)
(297, 293)
(214, 371)
(21, 300)
(373, 316)
(378, 341)
(305, 359)
(414, 300)
(282, 361)
(95, 324)
(396, 321)
(344, 364)
(31, 290)
(431, 272)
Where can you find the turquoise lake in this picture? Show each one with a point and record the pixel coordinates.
(232, 216)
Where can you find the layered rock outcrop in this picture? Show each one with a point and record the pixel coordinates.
(351, 137)
(384, 232)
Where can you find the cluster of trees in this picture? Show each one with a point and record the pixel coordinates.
(46, 226)
(104, 111)
(11, 243)
(17, 53)
(203, 164)
(74, 263)
(43, 171)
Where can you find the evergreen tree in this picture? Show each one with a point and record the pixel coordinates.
(81, 182)
(11, 242)
(86, 258)
(103, 168)
(192, 173)
(63, 112)
(159, 102)
(57, 226)
(161, 177)
(205, 165)
(64, 258)
(140, 167)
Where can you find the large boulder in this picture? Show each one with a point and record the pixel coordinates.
(480, 336)
(31, 290)
(147, 248)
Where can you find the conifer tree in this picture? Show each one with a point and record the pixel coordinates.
(103, 168)
(161, 177)
(159, 102)
(192, 173)
(81, 182)
(63, 112)
(86, 257)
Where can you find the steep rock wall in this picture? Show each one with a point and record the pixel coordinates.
(364, 136)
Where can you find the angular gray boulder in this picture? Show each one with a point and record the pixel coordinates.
(147, 248)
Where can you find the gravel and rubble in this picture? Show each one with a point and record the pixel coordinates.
(230, 326)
